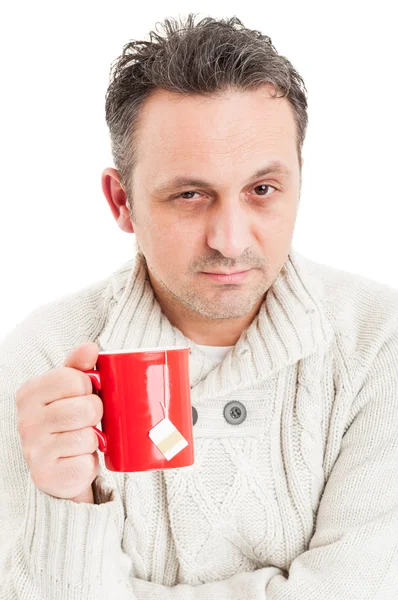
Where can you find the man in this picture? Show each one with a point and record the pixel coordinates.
(294, 495)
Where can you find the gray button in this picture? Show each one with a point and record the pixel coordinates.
(194, 415)
(235, 413)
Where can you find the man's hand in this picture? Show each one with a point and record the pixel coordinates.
(55, 413)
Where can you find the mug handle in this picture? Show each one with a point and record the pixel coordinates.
(96, 381)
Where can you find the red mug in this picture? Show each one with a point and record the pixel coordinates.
(147, 416)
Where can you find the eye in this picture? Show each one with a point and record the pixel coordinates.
(262, 185)
(183, 193)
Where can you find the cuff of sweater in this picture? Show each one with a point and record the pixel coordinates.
(69, 543)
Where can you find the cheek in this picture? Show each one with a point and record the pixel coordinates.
(280, 222)
(171, 245)
(273, 235)
(154, 232)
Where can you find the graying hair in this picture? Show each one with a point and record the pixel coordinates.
(204, 58)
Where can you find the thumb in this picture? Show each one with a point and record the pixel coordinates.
(82, 357)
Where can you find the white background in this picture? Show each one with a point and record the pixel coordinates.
(57, 233)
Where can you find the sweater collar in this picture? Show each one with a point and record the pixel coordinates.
(290, 325)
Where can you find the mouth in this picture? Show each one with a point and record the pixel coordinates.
(234, 277)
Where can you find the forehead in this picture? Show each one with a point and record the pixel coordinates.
(180, 131)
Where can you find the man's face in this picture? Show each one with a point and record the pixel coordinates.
(228, 219)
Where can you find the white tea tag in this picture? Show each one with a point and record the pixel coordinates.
(167, 438)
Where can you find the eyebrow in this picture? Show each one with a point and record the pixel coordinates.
(276, 166)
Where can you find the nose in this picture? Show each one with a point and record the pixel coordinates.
(229, 229)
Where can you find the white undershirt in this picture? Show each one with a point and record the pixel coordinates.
(216, 353)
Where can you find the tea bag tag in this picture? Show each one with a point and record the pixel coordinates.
(167, 438)
(165, 435)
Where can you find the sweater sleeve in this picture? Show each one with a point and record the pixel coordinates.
(354, 550)
(51, 548)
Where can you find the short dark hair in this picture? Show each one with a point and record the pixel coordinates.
(204, 58)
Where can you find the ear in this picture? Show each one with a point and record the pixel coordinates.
(116, 198)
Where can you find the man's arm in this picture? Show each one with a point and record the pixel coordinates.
(50, 548)
(353, 554)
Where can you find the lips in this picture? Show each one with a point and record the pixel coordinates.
(228, 278)
(224, 272)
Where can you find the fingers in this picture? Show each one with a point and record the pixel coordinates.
(66, 477)
(74, 443)
(73, 413)
(83, 357)
(56, 413)
(62, 445)
(54, 385)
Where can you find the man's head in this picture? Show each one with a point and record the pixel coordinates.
(212, 104)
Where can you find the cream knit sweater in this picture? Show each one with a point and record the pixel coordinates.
(298, 502)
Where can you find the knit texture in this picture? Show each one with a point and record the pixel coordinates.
(298, 502)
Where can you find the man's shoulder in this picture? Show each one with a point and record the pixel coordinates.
(363, 313)
(46, 334)
(86, 307)
(345, 290)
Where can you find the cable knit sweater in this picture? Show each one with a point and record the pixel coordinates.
(298, 502)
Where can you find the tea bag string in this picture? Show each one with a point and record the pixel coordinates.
(166, 389)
